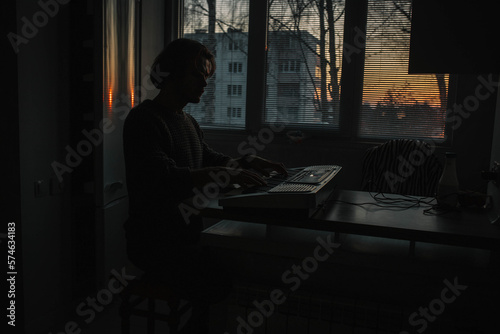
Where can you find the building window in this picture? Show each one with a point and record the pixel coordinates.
(289, 66)
(234, 90)
(235, 67)
(306, 58)
(233, 112)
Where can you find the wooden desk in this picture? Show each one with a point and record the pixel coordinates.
(465, 227)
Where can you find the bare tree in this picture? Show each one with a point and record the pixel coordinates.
(323, 103)
(322, 15)
(334, 70)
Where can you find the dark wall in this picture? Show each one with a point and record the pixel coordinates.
(474, 122)
(43, 124)
(45, 128)
(454, 37)
(494, 188)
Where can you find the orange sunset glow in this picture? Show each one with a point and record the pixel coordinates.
(119, 63)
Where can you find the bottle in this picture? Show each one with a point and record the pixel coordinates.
(447, 191)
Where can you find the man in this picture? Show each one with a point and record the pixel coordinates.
(167, 158)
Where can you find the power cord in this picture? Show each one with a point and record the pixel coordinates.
(402, 202)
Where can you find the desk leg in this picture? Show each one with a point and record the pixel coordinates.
(412, 249)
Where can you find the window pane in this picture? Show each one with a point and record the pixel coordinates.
(221, 25)
(396, 104)
(304, 62)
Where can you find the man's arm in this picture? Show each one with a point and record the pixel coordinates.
(236, 169)
(260, 164)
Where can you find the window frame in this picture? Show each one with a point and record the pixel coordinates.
(351, 81)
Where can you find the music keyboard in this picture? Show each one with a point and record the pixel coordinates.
(305, 188)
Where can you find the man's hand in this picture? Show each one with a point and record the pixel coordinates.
(262, 165)
(224, 176)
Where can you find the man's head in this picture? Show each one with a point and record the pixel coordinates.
(181, 58)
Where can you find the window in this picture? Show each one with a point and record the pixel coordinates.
(222, 25)
(289, 66)
(235, 67)
(233, 112)
(306, 57)
(234, 90)
(396, 104)
(304, 39)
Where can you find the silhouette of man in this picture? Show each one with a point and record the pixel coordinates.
(167, 158)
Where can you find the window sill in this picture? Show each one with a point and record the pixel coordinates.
(312, 138)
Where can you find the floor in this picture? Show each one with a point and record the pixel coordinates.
(239, 315)
(109, 322)
(222, 318)
(230, 317)
(234, 317)
(246, 311)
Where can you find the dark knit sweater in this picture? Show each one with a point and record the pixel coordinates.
(160, 149)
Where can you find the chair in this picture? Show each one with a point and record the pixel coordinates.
(401, 166)
(144, 289)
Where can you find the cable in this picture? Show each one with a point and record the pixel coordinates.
(402, 202)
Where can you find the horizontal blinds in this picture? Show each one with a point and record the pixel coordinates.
(396, 104)
(303, 74)
(303, 62)
(221, 25)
